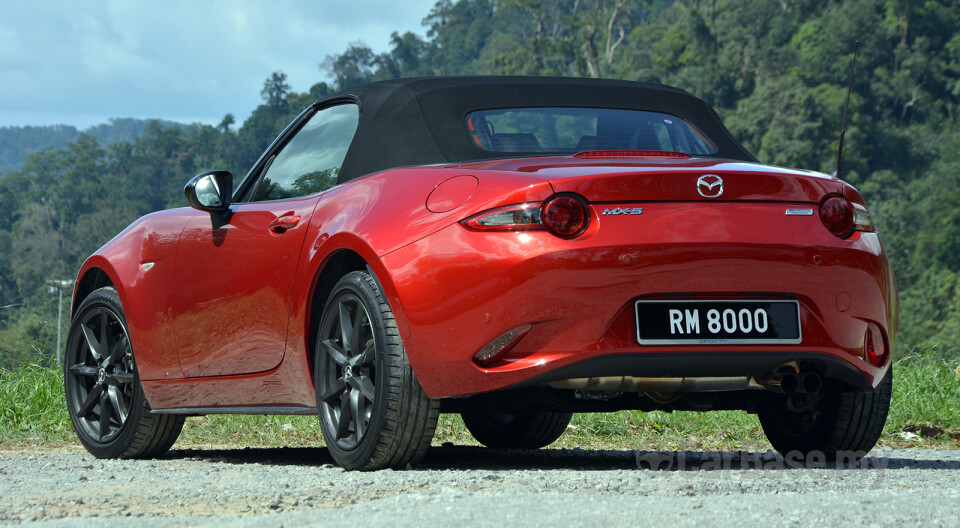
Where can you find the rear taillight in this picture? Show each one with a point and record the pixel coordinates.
(862, 221)
(836, 213)
(520, 217)
(842, 218)
(563, 215)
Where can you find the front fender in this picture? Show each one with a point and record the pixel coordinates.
(139, 263)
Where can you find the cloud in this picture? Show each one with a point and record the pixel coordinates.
(175, 59)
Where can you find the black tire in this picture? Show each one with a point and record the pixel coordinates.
(521, 430)
(109, 411)
(842, 422)
(361, 370)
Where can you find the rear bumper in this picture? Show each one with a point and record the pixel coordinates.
(457, 290)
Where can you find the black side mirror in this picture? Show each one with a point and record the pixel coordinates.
(210, 191)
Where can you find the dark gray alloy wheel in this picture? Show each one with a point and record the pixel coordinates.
(106, 403)
(349, 348)
(530, 430)
(840, 422)
(373, 413)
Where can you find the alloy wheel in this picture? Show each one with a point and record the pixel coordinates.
(348, 384)
(100, 365)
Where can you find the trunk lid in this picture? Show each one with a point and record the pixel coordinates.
(619, 180)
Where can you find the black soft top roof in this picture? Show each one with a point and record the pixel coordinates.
(421, 121)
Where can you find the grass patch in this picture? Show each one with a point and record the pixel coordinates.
(925, 413)
(251, 430)
(658, 430)
(925, 408)
(32, 406)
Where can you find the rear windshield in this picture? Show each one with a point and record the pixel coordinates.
(580, 129)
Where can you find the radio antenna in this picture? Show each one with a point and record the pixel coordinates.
(843, 128)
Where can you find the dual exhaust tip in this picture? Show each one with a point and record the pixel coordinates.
(795, 382)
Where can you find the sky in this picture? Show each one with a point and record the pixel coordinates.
(82, 62)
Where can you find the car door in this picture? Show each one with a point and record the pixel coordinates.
(233, 282)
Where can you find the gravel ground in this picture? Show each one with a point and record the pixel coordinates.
(470, 486)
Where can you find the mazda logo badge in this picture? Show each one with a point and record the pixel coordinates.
(710, 185)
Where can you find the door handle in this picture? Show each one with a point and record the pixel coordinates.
(283, 223)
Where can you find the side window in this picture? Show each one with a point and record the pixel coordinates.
(310, 162)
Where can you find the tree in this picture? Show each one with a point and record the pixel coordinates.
(600, 30)
(275, 90)
(353, 66)
(226, 122)
(407, 58)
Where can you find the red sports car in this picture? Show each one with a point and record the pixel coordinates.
(511, 249)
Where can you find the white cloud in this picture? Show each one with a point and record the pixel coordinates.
(65, 61)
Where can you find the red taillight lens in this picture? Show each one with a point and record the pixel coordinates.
(565, 216)
(836, 213)
(873, 347)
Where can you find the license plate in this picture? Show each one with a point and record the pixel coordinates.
(717, 322)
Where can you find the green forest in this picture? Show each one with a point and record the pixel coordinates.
(775, 70)
(16, 142)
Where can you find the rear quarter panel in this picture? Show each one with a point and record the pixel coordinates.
(381, 213)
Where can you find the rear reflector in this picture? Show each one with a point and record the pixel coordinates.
(499, 347)
(592, 154)
(873, 347)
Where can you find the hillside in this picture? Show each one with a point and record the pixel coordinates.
(776, 72)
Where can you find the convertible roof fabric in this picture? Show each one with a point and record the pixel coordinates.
(421, 121)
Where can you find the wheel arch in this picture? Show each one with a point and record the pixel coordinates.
(91, 278)
(337, 264)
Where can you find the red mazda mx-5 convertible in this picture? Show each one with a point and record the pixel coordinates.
(511, 249)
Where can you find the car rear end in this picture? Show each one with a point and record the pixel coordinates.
(632, 274)
(649, 267)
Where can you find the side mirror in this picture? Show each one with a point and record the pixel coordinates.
(210, 191)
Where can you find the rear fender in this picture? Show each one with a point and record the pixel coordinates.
(384, 212)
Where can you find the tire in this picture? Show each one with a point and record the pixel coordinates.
(361, 372)
(844, 423)
(109, 411)
(523, 430)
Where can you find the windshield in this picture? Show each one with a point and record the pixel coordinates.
(581, 129)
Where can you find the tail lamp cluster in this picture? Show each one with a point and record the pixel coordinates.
(843, 218)
(564, 215)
